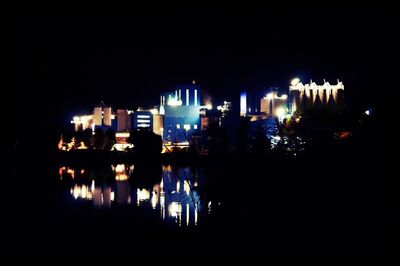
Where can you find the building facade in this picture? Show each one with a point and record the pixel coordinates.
(123, 120)
(273, 104)
(181, 110)
(102, 117)
(319, 98)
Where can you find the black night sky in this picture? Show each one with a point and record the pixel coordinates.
(68, 60)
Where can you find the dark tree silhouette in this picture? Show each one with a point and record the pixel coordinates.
(109, 139)
(99, 139)
(242, 137)
(260, 143)
(146, 143)
(87, 137)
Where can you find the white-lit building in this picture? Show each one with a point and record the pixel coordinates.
(124, 119)
(274, 105)
(313, 97)
(102, 116)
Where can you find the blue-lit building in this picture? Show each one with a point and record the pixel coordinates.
(181, 109)
(142, 120)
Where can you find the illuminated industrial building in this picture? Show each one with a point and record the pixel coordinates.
(102, 117)
(274, 105)
(123, 119)
(260, 105)
(143, 120)
(250, 102)
(181, 110)
(313, 97)
(149, 119)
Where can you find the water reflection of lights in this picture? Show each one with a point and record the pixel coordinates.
(121, 177)
(195, 214)
(154, 199)
(71, 172)
(142, 195)
(186, 187)
(175, 209)
(187, 214)
(83, 192)
(120, 168)
(172, 198)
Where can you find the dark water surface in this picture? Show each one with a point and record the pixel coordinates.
(317, 205)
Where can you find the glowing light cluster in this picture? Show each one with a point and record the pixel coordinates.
(174, 102)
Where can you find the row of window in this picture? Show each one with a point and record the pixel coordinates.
(186, 126)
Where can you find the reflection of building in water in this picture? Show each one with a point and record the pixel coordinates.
(172, 198)
(123, 190)
(102, 196)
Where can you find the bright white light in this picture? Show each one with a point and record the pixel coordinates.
(219, 107)
(143, 116)
(174, 209)
(295, 81)
(120, 168)
(186, 127)
(284, 97)
(112, 196)
(367, 112)
(143, 121)
(162, 110)
(195, 126)
(243, 102)
(209, 106)
(269, 96)
(122, 135)
(122, 146)
(143, 194)
(178, 126)
(153, 199)
(280, 112)
(174, 102)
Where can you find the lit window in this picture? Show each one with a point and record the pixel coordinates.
(186, 127)
(178, 126)
(143, 121)
(195, 126)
